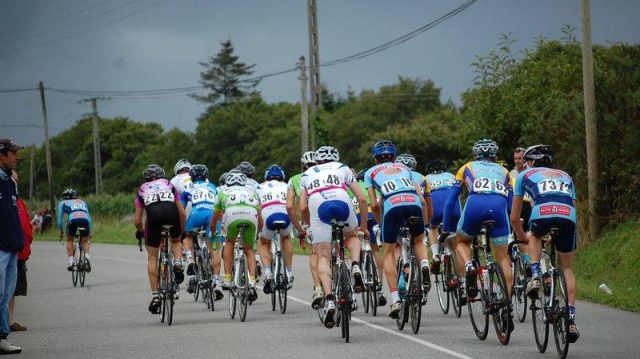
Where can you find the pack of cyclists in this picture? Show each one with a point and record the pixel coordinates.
(375, 201)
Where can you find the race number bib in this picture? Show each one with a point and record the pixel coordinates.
(487, 185)
(321, 183)
(395, 185)
(241, 198)
(437, 184)
(551, 185)
(201, 195)
(161, 196)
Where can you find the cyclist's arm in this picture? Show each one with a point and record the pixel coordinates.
(362, 204)
(138, 219)
(375, 205)
(291, 196)
(60, 216)
(304, 206)
(516, 223)
(260, 220)
(448, 224)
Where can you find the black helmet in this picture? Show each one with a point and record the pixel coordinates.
(360, 175)
(435, 166)
(246, 168)
(541, 155)
(153, 172)
(199, 172)
(69, 193)
(485, 149)
(222, 180)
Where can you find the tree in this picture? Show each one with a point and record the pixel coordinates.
(226, 78)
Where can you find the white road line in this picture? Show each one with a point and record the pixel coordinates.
(398, 334)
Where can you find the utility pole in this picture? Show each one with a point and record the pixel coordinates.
(304, 114)
(47, 148)
(32, 170)
(591, 130)
(96, 142)
(314, 69)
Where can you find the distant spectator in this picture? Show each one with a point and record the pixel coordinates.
(36, 222)
(518, 161)
(47, 219)
(11, 238)
(21, 282)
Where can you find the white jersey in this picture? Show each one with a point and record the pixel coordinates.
(252, 184)
(327, 179)
(181, 182)
(272, 193)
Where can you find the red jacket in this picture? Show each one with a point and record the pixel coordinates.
(26, 228)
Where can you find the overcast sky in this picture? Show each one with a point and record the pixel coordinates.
(120, 45)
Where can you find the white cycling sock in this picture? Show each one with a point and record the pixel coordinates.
(86, 255)
(424, 263)
(70, 260)
(395, 297)
(435, 249)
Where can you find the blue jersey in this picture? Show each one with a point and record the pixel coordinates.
(552, 191)
(439, 181)
(394, 182)
(75, 209)
(201, 194)
(484, 177)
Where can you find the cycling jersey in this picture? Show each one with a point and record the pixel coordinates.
(252, 184)
(239, 205)
(294, 184)
(273, 202)
(158, 198)
(490, 194)
(181, 182)
(326, 187)
(77, 216)
(399, 198)
(440, 185)
(371, 219)
(201, 195)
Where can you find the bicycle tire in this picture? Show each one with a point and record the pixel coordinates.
(400, 321)
(477, 311)
(453, 283)
(366, 268)
(197, 278)
(81, 268)
(374, 286)
(500, 302)
(561, 314)
(233, 298)
(519, 298)
(208, 278)
(74, 266)
(282, 293)
(415, 301)
(540, 325)
(162, 287)
(345, 302)
(244, 290)
(441, 283)
(171, 289)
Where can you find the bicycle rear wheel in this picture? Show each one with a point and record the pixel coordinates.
(366, 271)
(162, 284)
(561, 314)
(233, 296)
(402, 318)
(477, 311)
(81, 268)
(345, 302)
(539, 321)
(518, 289)
(282, 292)
(500, 304)
(197, 278)
(243, 290)
(415, 300)
(171, 290)
(373, 290)
(441, 282)
(453, 285)
(74, 267)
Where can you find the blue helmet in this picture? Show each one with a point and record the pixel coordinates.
(274, 171)
(384, 147)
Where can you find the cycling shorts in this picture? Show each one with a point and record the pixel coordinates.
(438, 199)
(485, 207)
(565, 240)
(199, 218)
(272, 215)
(396, 217)
(235, 216)
(75, 223)
(323, 211)
(158, 215)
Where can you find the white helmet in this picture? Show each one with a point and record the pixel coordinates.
(235, 179)
(182, 164)
(308, 158)
(327, 154)
(407, 160)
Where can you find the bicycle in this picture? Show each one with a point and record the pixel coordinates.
(409, 270)
(341, 280)
(166, 278)
(447, 280)
(204, 274)
(551, 305)
(239, 291)
(492, 296)
(369, 276)
(520, 279)
(78, 271)
(280, 283)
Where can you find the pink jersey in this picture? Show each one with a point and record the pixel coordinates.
(160, 190)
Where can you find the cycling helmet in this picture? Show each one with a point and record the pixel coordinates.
(408, 160)
(235, 179)
(541, 155)
(199, 172)
(273, 172)
(222, 180)
(360, 175)
(246, 168)
(327, 154)
(384, 147)
(435, 166)
(69, 193)
(308, 158)
(181, 165)
(152, 173)
(485, 149)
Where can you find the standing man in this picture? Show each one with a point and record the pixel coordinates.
(11, 238)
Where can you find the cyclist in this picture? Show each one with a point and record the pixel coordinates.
(323, 198)
(440, 183)
(490, 194)
(401, 199)
(249, 170)
(409, 160)
(181, 180)
(273, 203)
(201, 195)
(238, 204)
(159, 200)
(373, 228)
(218, 239)
(78, 216)
(307, 161)
(554, 195)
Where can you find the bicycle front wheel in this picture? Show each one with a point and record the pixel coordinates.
(500, 304)
(477, 311)
(441, 282)
(415, 301)
(518, 289)
(561, 314)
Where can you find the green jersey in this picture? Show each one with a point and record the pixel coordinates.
(236, 196)
(294, 183)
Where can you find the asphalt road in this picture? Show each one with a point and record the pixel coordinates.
(108, 318)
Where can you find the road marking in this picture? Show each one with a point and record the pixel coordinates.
(398, 334)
